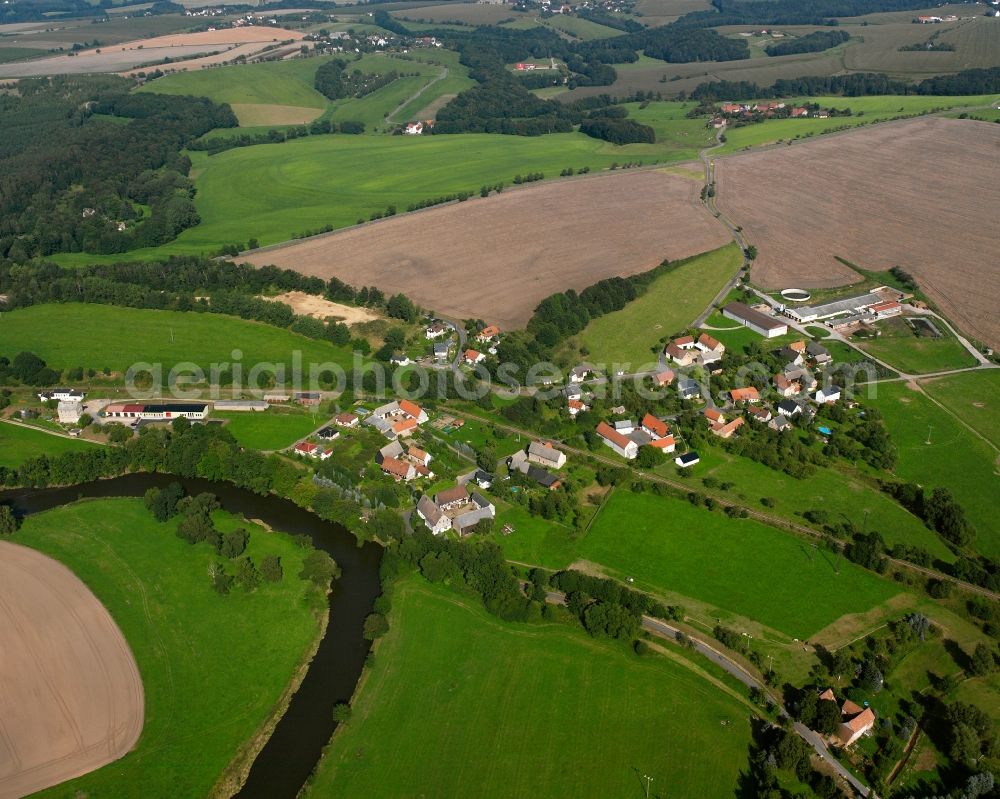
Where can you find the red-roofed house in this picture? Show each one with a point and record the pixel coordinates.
(748, 394)
(714, 415)
(857, 726)
(679, 355)
(727, 430)
(346, 420)
(306, 448)
(760, 414)
(472, 357)
(625, 447)
(397, 469)
(488, 333)
(706, 343)
(412, 410)
(664, 378)
(799, 112)
(685, 342)
(884, 309)
(574, 406)
(404, 427)
(667, 443)
(653, 426)
(786, 387)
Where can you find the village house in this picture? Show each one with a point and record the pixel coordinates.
(789, 408)
(706, 343)
(488, 333)
(798, 111)
(688, 388)
(786, 387)
(719, 426)
(440, 350)
(790, 356)
(307, 398)
(780, 424)
(472, 357)
(451, 497)
(856, 720)
(400, 360)
(803, 377)
(397, 418)
(276, 397)
(884, 310)
(519, 462)
(680, 355)
(759, 414)
(397, 469)
(310, 450)
(826, 395)
(748, 394)
(546, 455)
(327, 433)
(664, 378)
(580, 373)
(435, 519)
(346, 420)
(818, 353)
(414, 128)
(659, 433)
(574, 406)
(436, 330)
(624, 446)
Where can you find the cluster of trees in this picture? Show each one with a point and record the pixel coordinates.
(939, 510)
(27, 369)
(503, 105)
(461, 197)
(75, 182)
(681, 45)
(334, 82)
(583, 590)
(219, 144)
(967, 82)
(618, 131)
(814, 42)
(778, 750)
(476, 565)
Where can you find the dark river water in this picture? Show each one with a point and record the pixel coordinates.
(289, 756)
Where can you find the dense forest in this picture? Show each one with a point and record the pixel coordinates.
(72, 180)
(814, 42)
(334, 82)
(791, 12)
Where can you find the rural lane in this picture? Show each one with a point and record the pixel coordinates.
(660, 628)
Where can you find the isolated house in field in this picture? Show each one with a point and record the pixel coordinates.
(546, 455)
(761, 323)
(856, 720)
(624, 446)
(61, 394)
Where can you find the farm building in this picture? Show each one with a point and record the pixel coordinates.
(546, 455)
(848, 305)
(758, 322)
(454, 509)
(149, 411)
(61, 394)
(624, 446)
(252, 406)
(307, 398)
(749, 394)
(687, 459)
(69, 411)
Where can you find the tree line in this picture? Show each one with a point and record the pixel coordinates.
(790, 12)
(814, 42)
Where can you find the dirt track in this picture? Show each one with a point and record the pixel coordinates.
(918, 194)
(496, 258)
(71, 699)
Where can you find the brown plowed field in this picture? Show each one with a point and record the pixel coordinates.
(71, 699)
(496, 258)
(920, 194)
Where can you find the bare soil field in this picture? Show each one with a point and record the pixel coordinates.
(130, 54)
(310, 305)
(496, 258)
(902, 193)
(71, 699)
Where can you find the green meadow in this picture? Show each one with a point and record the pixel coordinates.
(903, 349)
(18, 444)
(456, 698)
(116, 338)
(955, 457)
(211, 676)
(974, 397)
(738, 566)
(867, 110)
(268, 430)
(671, 303)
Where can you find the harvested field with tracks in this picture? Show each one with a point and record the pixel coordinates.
(71, 699)
(496, 258)
(908, 193)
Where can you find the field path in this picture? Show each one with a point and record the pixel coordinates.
(416, 94)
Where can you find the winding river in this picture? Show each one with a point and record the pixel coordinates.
(297, 742)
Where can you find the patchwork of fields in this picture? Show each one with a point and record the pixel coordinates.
(19, 443)
(462, 261)
(934, 233)
(456, 697)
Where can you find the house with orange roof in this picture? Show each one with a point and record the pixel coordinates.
(397, 469)
(488, 333)
(786, 387)
(472, 357)
(574, 406)
(706, 343)
(748, 394)
(654, 427)
(680, 355)
(664, 378)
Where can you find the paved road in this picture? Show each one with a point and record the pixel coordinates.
(662, 629)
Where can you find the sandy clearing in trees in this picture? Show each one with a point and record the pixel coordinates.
(310, 305)
(496, 258)
(907, 193)
(71, 699)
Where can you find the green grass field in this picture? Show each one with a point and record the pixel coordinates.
(275, 191)
(18, 444)
(579, 28)
(841, 492)
(458, 698)
(8, 54)
(670, 303)
(671, 124)
(974, 397)
(955, 458)
(269, 430)
(213, 668)
(271, 83)
(900, 347)
(738, 566)
(114, 337)
(875, 109)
